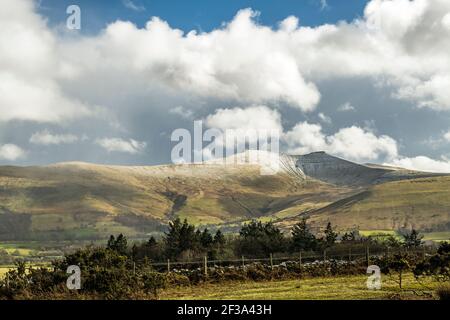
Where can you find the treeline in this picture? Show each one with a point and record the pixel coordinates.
(184, 242)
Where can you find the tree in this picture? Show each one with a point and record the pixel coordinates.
(444, 248)
(121, 244)
(118, 244)
(218, 246)
(111, 242)
(302, 238)
(150, 249)
(172, 238)
(330, 235)
(412, 239)
(206, 239)
(180, 237)
(256, 239)
(392, 242)
(219, 239)
(349, 237)
(134, 252)
(151, 242)
(438, 265)
(254, 229)
(399, 264)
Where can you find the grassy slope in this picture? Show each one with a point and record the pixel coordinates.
(337, 288)
(419, 203)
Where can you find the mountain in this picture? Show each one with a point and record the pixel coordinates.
(324, 167)
(88, 201)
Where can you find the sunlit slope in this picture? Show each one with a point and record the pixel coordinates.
(423, 204)
(80, 200)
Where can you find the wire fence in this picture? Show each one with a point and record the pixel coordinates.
(301, 257)
(360, 254)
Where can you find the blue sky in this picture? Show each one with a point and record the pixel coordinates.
(201, 15)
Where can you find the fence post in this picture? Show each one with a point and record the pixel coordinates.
(168, 265)
(325, 255)
(243, 262)
(7, 281)
(350, 254)
(367, 256)
(206, 266)
(134, 268)
(300, 256)
(271, 261)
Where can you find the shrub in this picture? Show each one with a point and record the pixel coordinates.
(399, 264)
(437, 265)
(443, 292)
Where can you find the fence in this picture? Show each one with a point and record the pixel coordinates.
(302, 257)
(349, 254)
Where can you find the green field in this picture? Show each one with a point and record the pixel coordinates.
(437, 236)
(427, 236)
(337, 288)
(371, 233)
(18, 249)
(3, 270)
(423, 203)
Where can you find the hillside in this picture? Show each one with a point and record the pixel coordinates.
(88, 201)
(80, 200)
(327, 168)
(423, 204)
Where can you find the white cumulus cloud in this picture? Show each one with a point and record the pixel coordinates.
(422, 163)
(182, 112)
(353, 143)
(45, 137)
(447, 136)
(131, 5)
(324, 118)
(346, 107)
(31, 69)
(120, 145)
(242, 61)
(11, 152)
(254, 117)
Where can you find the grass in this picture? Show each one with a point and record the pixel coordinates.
(368, 233)
(4, 270)
(437, 236)
(337, 288)
(433, 236)
(17, 249)
(381, 234)
(423, 203)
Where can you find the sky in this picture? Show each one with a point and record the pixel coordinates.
(363, 80)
